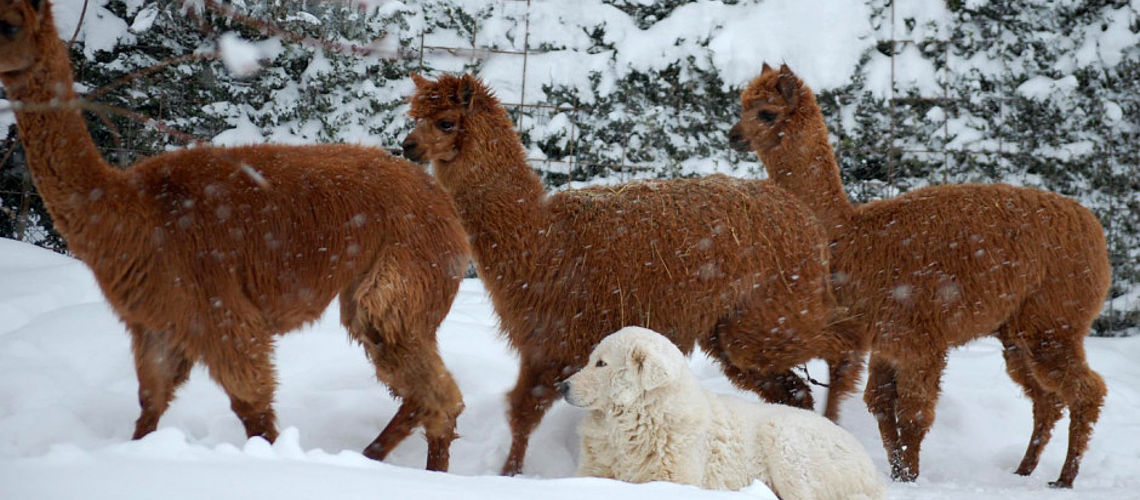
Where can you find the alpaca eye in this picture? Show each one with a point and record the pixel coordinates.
(445, 125)
(767, 116)
(8, 30)
(600, 363)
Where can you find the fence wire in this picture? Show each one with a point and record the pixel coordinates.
(436, 54)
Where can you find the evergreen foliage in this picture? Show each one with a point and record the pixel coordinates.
(1023, 96)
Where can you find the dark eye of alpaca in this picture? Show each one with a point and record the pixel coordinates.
(445, 125)
(767, 116)
(8, 30)
(600, 363)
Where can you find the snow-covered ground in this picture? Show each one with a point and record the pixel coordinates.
(67, 410)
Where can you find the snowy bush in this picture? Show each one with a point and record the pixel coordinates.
(1029, 92)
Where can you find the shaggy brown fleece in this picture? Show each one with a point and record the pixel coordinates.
(208, 253)
(940, 266)
(737, 266)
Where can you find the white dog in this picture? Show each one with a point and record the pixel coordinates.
(651, 421)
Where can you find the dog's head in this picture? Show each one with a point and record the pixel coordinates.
(624, 367)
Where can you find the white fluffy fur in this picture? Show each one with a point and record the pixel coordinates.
(650, 420)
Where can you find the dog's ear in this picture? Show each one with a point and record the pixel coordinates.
(653, 370)
(788, 85)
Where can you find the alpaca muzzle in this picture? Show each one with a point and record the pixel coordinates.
(411, 150)
(737, 140)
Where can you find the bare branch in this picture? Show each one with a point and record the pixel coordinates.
(78, 25)
(149, 70)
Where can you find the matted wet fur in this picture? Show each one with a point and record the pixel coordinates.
(207, 253)
(939, 266)
(738, 266)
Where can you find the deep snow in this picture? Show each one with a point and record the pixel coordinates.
(67, 407)
(67, 384)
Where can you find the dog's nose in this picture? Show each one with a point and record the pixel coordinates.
(410, 150)
(563, 387)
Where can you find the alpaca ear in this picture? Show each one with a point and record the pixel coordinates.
(788, 85)
(767, 69)
(654, 371)
(419, 80)
(467, 92)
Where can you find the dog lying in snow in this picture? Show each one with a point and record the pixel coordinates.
(650, 420)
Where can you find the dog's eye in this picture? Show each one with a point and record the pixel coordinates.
(600, 363)
(767, 116)
(445, 125)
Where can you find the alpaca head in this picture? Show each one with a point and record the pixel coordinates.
(767, 106)
(442, 110)
(23, 26)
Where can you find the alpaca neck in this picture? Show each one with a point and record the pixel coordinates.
(500, 201)
(65, 165)
(804, 164)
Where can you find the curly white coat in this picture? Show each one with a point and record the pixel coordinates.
(650, 420)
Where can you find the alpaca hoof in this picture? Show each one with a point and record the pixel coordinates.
(439, 453)
(903, 474)
(375, 451)
(511, 468)
(438, 463)
(268, 435)
(1060, 483)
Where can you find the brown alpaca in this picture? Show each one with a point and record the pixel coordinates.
(738, 266)
(203, 263)
(940, 266)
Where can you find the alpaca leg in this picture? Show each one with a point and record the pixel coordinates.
(882, 397)
(918, 387)
(529, 400)
(845, 354)
(785, 325)
(1084, 410)
(844, 374)
(1052, 344)
(1046, 404)
(440, 432)
(245, 371)
(766, 354)
(776, 387)
(161, 369)
(784, 388)
(399, 428)
(397, 331)
(416, 374)
(1059, 364)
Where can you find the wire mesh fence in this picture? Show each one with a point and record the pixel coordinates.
(444, 51)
